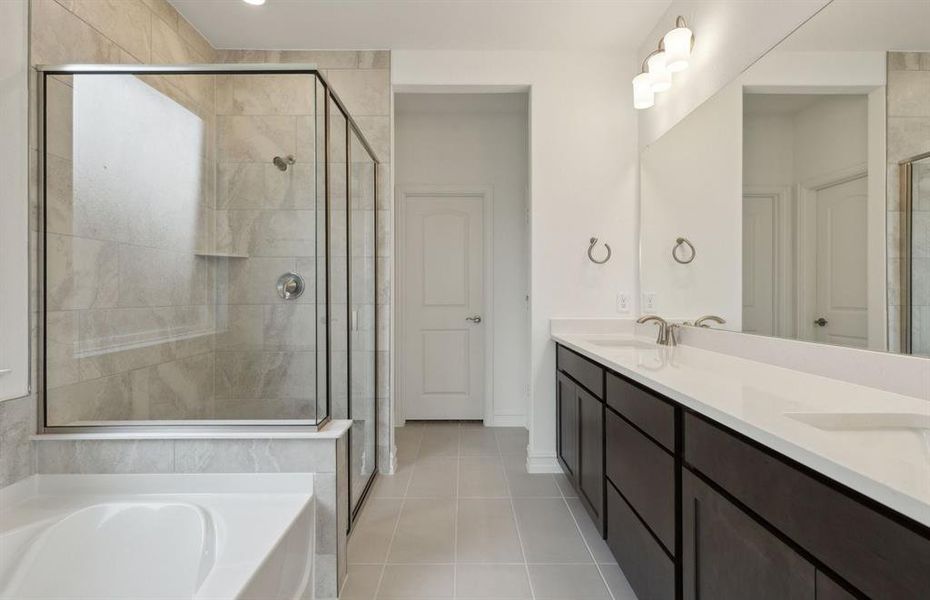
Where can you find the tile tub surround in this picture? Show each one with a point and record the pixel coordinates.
(756, 399)
(322, 455)
(267, 528)
(461, 518)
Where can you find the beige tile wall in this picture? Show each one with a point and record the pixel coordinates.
(908, 93)
(130, 306)
(362, 80)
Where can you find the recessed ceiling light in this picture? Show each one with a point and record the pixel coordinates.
(254, 2)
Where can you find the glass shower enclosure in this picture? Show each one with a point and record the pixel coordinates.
(206, 252)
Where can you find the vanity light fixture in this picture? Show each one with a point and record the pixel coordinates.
(672, 56)
(254, 2)
(643, 96)
(660, 77)
(678, 43)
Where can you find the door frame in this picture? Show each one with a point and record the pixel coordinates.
(807, 242)
(782, 260)
(402, 194)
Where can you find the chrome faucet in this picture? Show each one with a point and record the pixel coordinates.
(667, 331)
(701, 322)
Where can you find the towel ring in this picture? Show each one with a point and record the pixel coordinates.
(591, 254)
(678, 244)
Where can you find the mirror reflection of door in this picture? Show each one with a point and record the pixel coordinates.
(841, 305)
(806, 216)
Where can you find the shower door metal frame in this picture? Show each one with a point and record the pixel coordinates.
(200, 426)
(906, 228)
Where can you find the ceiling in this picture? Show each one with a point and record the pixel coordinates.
(425, 24)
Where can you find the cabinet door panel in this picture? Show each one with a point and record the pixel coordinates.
(728, 556)
(648, 412)
(645, 474)
(827, 589)
(567, 415)
(648, 568)
(591, 450)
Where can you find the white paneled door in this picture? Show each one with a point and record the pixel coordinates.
(841, 313)
(443, 306)
(759, 271)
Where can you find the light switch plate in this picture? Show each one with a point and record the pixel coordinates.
(624, 303)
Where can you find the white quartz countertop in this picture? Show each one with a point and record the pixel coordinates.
(875, 442)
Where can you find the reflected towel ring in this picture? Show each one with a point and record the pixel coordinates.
(591, 254)
(678, 243)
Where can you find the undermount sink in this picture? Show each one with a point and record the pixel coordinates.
(865, 421)
(621, 343)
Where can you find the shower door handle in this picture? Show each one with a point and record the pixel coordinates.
(475, 319)
(821, 322)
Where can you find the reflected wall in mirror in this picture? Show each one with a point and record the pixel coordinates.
(805, 187)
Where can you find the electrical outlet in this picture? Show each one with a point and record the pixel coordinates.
(650, 302)
(624, 303)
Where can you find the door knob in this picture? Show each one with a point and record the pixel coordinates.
(821, 322)
(475, 319)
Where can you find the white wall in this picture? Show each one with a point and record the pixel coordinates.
(14, 204)
(729, 36)
(583, 164)
(480, 140)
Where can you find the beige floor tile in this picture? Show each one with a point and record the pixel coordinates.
(486, 531)
(478, 441)
(532, 485)
(549, 532)
(393, 486)
(565, 486)
(417, 581)
(434, 478)
(482, 477)
(512, 440)
(591, 535)
(568, 582)
(491, 581)
(361, 582)
(426, 532)
(372, 534)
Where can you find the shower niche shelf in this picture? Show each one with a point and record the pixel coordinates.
(220, 255)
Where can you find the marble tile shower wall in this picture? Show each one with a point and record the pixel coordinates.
(130, 314)
(266, 346)
(908, 93)
(87, 31)
(363, 81)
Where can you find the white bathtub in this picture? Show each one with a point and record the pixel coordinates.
(157, 536)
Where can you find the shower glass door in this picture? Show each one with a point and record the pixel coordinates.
(362, 333)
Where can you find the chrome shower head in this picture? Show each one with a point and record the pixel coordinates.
(282, 163)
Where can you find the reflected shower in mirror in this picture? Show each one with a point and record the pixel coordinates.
(803, 184)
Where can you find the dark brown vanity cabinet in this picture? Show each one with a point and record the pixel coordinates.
(580, 428)
(566, 399)
(726, 554)
(693, 510)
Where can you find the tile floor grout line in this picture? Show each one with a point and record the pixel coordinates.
(400, 512)
(597, 566)
(516, 525)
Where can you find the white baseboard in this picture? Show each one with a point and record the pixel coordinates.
(542, 463)
(507, 421)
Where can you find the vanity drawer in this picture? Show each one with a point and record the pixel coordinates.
(877, 555)
(645, 474)
(647, 567)
(582, 370)
(648, 412)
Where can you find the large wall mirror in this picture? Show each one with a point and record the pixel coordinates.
(804, 188)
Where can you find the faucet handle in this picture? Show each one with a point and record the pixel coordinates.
(701, 322)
